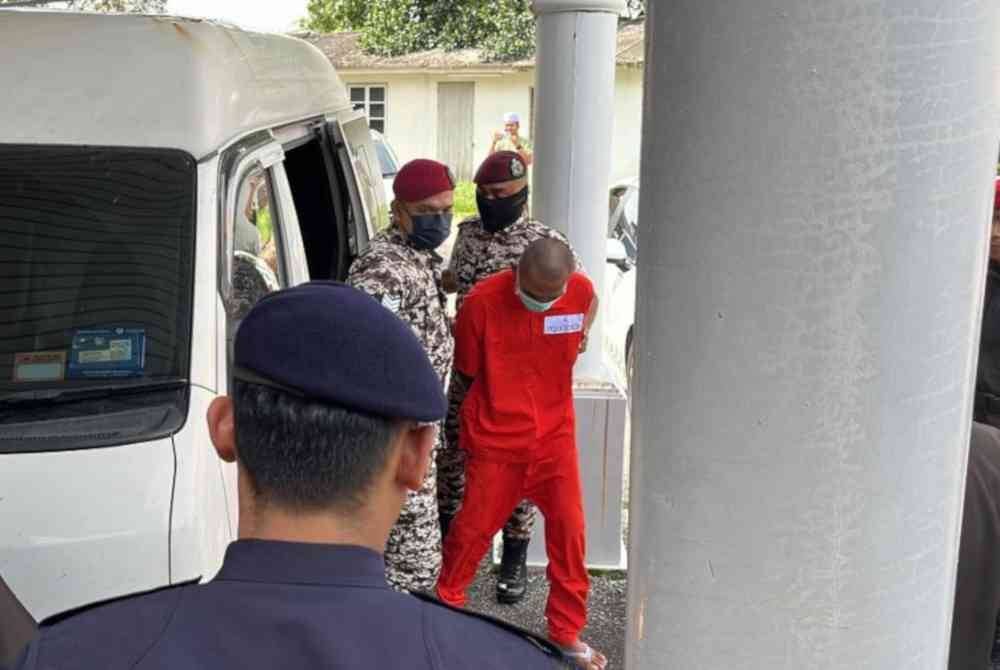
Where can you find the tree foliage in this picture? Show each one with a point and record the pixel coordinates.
(502, 29)
(141, 6)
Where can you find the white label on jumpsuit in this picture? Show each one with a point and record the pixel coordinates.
(566, 323)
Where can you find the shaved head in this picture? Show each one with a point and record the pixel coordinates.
(544, 269)
(548, 259)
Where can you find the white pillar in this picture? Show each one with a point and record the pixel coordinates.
(574, 114)
(815, 194)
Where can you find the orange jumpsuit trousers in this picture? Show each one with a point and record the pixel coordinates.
(494, 487)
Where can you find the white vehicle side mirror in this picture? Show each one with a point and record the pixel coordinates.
(616, 252)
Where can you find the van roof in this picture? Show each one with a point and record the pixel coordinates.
(158, 81)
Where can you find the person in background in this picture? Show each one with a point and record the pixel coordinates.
(987, 407)
(510, 139)
(331, 423)
(517, 337)
(402, 270)
(485, 245)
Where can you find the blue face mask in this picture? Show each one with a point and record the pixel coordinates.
(430, 230)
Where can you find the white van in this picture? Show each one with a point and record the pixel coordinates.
(157, 176)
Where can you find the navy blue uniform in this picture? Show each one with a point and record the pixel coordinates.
(284, 605)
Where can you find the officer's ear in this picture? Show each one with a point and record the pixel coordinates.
(401, 216)
(417, 444)
(222, 428)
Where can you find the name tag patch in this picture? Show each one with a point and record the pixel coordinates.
(565, 323)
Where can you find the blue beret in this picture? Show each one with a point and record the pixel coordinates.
(333, 344)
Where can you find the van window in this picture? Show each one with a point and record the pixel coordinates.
(96, 282)
(258, 266)
(367, 171)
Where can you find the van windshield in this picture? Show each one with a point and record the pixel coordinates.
(96, 284)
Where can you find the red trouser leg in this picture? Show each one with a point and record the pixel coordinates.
(492, 491)
(553, 483)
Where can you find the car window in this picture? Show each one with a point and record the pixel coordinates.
(632, 207)
(614, 209)
(97, 271)
(386, 160)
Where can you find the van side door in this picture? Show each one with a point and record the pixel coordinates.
(352, 144)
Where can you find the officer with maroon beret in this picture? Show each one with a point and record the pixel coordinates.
(488, 244)
(402, 270)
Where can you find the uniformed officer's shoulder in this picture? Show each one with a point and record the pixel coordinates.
(471, 222)
(110, 633)
(462, 638)
(381, 254)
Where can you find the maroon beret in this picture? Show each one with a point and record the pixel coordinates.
(501, 166)
(996, 198)
(422, 178)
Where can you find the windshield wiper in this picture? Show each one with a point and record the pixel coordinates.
(46, 396)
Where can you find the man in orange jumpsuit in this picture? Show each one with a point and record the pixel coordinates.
(517, 337)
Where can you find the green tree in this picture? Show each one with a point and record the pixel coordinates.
(502, 29)
(142, 6)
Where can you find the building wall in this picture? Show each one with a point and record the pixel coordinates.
(627, 133)
(411, 112)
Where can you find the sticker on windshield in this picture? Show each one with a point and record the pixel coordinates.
(40, 366)
(111, 352)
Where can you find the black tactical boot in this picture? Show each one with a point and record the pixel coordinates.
(445, 521)
(512, 583)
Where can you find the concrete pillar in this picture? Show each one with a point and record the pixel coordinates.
(574, 114)
(816, 186)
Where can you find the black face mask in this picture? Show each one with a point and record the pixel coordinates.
(499, 213)
(430, 230)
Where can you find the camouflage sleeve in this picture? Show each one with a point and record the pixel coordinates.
(381, 279)
(462, 264)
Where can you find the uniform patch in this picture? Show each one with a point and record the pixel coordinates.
(566, 323)
(391, 302)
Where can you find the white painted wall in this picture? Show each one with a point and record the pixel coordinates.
(627, 139)
(411, 124)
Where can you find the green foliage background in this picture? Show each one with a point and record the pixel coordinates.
(141, 6)
(503, 29)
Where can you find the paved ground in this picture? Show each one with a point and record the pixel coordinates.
(605, 630)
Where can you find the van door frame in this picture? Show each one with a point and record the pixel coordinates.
(342, 182)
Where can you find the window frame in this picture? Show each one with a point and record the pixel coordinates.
(170, 417)
(365, 105)
(243, 160)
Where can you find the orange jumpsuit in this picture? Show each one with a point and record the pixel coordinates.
(518, 428)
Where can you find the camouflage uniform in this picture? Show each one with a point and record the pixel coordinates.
(408, 282)
(477, 255)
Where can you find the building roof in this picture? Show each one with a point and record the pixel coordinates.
(346, 54)
(158, 81)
